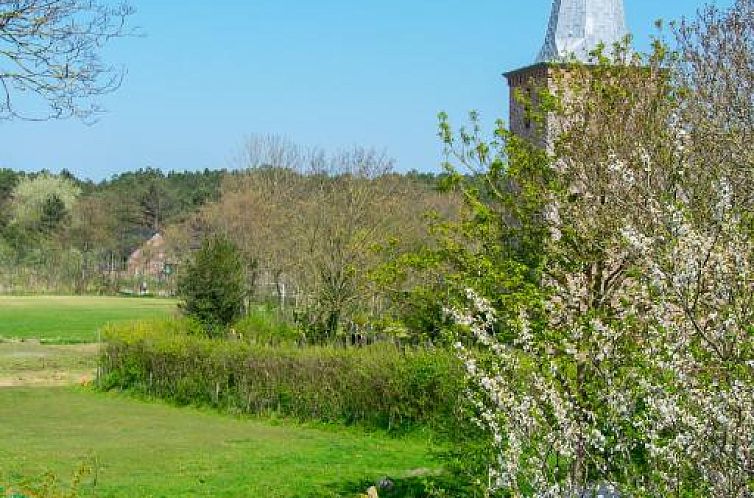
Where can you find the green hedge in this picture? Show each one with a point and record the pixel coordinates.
(378, 385)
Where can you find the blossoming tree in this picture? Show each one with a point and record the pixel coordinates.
(634, 369)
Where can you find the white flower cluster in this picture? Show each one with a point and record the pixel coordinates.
(700, 395)
(641, 375)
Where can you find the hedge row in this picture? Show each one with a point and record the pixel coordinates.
(378, 385)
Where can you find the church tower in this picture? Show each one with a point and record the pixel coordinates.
(576, 28)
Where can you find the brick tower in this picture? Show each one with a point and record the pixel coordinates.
(576, 28)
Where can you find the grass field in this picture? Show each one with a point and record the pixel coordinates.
(145, 449)
(151, 449)
(72, 320)
(35, 364)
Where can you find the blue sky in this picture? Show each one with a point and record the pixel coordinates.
(330, 73)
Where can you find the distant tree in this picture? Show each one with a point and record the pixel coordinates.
(349, 211)
(212, 285)
(48, 221)
(52, 214)
(50, 63)
(315, 226)
(42, 197)
(272, 151)
(148, 200)
(257, 211)
(8, 180)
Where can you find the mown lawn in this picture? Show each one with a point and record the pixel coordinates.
(35, 364)
(152, 449)
(71, 320)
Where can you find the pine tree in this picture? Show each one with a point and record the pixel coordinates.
(212, 285)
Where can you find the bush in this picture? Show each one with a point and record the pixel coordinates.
(263, 326)
(212, 285)
(379, 386)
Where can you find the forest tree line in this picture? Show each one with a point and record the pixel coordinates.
(59, 233)
(316, 231)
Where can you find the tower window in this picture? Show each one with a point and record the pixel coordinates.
(528, 104)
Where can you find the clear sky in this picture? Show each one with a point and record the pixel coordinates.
(330, 73)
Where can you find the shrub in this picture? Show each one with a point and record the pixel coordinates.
(263, 326)
(379, 386)
(212, 285)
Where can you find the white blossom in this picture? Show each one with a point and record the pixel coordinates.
(660, 363)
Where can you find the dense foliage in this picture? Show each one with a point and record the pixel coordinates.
(629, 365)
(380, 386)
(62, 234)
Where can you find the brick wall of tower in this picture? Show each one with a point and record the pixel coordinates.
(525, 87)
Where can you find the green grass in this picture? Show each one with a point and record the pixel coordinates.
(148, 449)
(71, 320)
(155, 450)
(34, 364)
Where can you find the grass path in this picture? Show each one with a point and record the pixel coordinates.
(154, 450)
(30, 363)
(71, 320)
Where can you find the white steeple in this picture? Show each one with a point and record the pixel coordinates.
(578, 26)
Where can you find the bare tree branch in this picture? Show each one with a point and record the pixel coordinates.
(50, 65)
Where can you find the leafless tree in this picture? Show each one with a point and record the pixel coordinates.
(309, 223)
(269, 151)
(349, 210)
(50, 64)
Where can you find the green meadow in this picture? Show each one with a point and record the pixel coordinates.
(144, 449)
(138, 448)
(72, 320)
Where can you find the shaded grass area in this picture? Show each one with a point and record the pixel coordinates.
(74, 319)
(152, 449)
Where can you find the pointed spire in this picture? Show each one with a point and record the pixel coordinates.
(578, 26)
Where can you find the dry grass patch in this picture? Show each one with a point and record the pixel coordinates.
(30, 363)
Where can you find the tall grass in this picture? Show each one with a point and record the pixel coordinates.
(379, 385)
